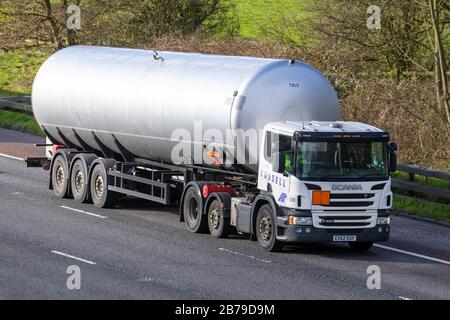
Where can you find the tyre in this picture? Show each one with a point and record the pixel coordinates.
(266, 232)
(194, 219)
(219, 226)
(101, 196)
(79, 182)
(360, 246)
(60, 177)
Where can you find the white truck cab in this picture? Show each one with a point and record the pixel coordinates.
(330, 181)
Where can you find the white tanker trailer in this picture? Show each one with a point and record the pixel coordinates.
(252, 144)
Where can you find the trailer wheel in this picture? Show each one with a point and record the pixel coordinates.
(266, 231)
(194, 219)
(79, 182)
(60, 177)
(360, 246)
(101, 196)
(218, 225)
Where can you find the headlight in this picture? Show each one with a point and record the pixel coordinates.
(384, 221)
(300, 221)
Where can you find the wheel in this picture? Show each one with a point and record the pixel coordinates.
(266, 230)
(360, 246)
(192, 211)
(79, 184)
(218, 225)
(101, 196)
(60, 176)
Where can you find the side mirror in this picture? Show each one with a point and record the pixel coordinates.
(393, 146)
(393, 157)
(278, 162)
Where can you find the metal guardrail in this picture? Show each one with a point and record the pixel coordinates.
(412, 185)
(22, 103)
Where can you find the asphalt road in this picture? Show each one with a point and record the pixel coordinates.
(140, 250)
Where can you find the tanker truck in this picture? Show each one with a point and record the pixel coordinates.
(280, 167)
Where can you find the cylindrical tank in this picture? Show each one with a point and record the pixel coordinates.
(140, 99)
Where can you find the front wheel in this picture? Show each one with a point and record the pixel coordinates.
(360, 246)
(266, 230)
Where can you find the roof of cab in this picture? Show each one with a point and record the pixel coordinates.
(289, 127)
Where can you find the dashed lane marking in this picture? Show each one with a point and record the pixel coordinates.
(73, 257)
(84, 212)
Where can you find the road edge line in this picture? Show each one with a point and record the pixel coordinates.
(11, 157)
(417, 255)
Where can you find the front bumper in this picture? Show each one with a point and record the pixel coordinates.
(316, 235)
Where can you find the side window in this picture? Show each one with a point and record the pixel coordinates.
(268, 146)
(285, 146)
(276, 143)
(285, 143)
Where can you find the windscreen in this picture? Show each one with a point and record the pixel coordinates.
(342, 160)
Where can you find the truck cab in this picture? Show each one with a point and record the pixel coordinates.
(329, 181)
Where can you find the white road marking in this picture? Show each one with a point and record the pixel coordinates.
(403, 298)
(413, 254)
(17, 193)
(73, 257)
(244, 255)
(84, 212)
(11, 157)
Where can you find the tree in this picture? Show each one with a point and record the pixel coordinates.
(29, 23)
(438, 9)
(161, 17)
(412, 40)
(106, 22)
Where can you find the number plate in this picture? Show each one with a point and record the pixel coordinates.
(342, 238)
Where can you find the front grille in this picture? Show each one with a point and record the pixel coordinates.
(343, 217)
(352, 195)
(350, 200)
(345, 220)
(351, 203)
(348, 221)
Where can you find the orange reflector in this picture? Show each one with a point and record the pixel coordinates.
(291, 220)
(321, 198)
(213, 154)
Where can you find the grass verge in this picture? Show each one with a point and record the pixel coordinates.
(422, 208)
(19, 121)
(17, 71)
(260, 14)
